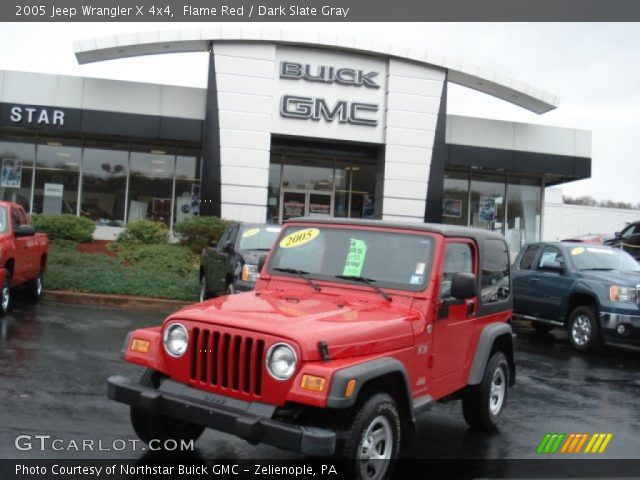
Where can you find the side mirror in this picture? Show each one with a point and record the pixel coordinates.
(553, 266)
(228, 248)
(464, 285)
(261, 261)
(617, 234)
(25, 231)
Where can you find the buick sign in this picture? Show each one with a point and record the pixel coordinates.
(326, 74)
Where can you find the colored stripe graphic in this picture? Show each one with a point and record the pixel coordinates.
(573, 443)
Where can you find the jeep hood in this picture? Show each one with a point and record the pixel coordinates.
(361, 325)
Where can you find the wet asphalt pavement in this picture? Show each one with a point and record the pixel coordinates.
(54, 360)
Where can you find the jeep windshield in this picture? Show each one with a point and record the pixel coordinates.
(602, 259)
(258, 238)
(388, 259)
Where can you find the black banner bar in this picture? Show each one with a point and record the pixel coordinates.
(317, 11)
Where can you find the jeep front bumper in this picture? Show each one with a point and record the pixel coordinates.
(249, 420)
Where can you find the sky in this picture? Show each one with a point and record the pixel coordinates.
(593, 67)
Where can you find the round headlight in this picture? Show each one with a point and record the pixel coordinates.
(176, 340)
(281, 361)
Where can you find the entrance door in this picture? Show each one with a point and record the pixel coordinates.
(305, 203)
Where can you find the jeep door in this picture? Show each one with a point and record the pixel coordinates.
(453, 328)
(549, 284)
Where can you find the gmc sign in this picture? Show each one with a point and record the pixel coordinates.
(355, 113)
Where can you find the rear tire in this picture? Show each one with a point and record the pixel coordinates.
(35, 287)
(5, 294)
(584, 329)
(540, 327)
(149, 426)
(483, 404)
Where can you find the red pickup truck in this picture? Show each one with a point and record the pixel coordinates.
(23, 255)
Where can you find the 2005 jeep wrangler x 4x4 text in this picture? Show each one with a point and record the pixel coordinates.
(355, 327)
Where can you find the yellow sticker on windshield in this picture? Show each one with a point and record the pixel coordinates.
(299, 238)
(251, 232)
(577, 251)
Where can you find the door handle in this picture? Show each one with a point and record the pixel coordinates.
(535, 279)
(470, 306)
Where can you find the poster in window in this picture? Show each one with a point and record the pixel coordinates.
(487, 209)
(11, 173)
(452, 208)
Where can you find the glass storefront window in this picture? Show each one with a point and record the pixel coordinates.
(342, 178)
(17, 171)
(273, 198)
(150, 186)
(104, 182)
(524, 205)
(363, 185)
(307, 173)
(187, 192)
(57, 177)
(455, 198)
(487, 202)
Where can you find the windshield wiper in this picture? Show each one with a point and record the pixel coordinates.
(368, 281)
(302, 274)
(598, 269)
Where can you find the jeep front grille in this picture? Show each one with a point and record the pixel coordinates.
(227, 360)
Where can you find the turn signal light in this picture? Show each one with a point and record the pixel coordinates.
(313, 383)
(141, 346)
(351, 386)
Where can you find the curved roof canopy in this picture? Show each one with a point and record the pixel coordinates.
(199, 40)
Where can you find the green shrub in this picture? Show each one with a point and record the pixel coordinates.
(64, 227)
(144, 231)
(160, 257)
(98, 273)
(199, 232)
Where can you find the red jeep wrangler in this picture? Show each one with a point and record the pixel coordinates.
(354, 328)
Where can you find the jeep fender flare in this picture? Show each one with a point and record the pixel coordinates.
(490, 333)
(362, 373)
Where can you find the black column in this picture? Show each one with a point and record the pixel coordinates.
(210, 189)
(439, 155)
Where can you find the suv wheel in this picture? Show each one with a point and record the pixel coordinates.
(584, 330)
(483, 403)
(373, 439)
(541, 327)
(149, 425)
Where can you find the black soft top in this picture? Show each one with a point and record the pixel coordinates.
(476, 234)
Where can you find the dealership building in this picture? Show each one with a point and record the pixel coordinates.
(290, 124)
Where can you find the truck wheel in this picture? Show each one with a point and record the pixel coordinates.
(483, 403)
(541, 327)
(204, 291)
(35, 287)
(231, 290)
(5, 294)
(373, 440)
(149, 426)
(584, 330)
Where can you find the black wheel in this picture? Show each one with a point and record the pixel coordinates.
(541, 327)
(5, 294)
(35, 287)
(204, 291)
(231, 290)
(373, 439)
(149, 426)
(483, 404)
(584, 329)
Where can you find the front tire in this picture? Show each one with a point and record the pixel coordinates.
(373, 440)
(584, 329)
(483, 404)
(5, 294)
(35, 287)
(149, 426)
